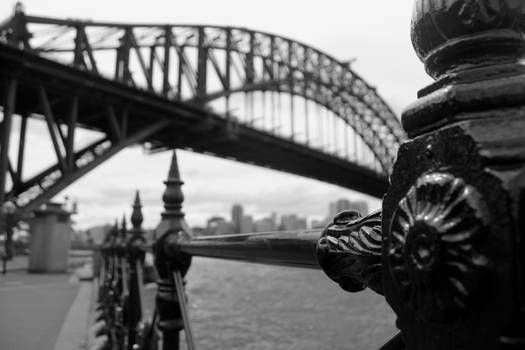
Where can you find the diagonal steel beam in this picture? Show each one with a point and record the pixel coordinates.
(89, 50)
(51, 125)
(166, 64)
(9, 109)
(14, 175)
(21, 147)
(142, 61)
(113, 123)
(39, 178)
(71, 124)
(67, 180)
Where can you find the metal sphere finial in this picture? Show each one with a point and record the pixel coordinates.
(456, 34)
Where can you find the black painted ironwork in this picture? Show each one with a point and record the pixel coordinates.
(451, 224)
(129, 325)
(171, 228)
(311, 249)
(297, 249)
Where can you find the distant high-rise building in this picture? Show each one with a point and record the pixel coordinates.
(198, 231)
(219, 226)
(301, 224)
(345, 204)
(332, 209)
(273, 218)
(237, 216)
(317, 224)
(264, 225)
(360, 206)
(246, 224)
(292, 222)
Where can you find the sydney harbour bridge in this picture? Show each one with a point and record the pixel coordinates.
(231, 92)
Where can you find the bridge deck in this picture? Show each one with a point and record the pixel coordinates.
(190, 125)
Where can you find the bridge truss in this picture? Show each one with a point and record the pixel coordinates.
(237, 80)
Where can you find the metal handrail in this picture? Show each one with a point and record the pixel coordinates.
(286, 248)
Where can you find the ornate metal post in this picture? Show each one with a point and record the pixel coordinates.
(107, 293)
(453, 218)
(171, 228)
(136, 248)
(114, 307)
(121, 287)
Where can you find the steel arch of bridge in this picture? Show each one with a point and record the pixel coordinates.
(200, 65)
(242, 60)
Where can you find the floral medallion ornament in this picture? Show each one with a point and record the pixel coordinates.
(433, 247)
(349, 251)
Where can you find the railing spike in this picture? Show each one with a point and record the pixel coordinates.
(136, 216)
(173, 196)
(123, 226)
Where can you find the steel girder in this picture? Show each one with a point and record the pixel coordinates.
(63, 118)
(190, 126)
(179, 61)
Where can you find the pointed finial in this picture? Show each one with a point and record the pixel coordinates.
(136, 215)
(123, 226)
(173, 196)
(19, 8)
(113, 233)
(114, 229)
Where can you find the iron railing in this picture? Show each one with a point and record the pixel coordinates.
(348, 250)
(121, 303)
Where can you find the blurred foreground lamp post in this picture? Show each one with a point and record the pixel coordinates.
(8, 210)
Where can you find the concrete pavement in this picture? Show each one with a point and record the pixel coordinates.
(43, 311)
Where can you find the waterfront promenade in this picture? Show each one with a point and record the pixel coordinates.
(271, 306)
(42, 311)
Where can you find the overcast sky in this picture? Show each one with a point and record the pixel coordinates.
(376, 33)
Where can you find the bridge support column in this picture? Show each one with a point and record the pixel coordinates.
(50, 237)
(453, 255)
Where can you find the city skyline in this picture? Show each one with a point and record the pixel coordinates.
(242, 222)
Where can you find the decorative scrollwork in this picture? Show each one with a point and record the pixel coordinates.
(444, 31)
(484, 11)
(349, 251)
(433, 246)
